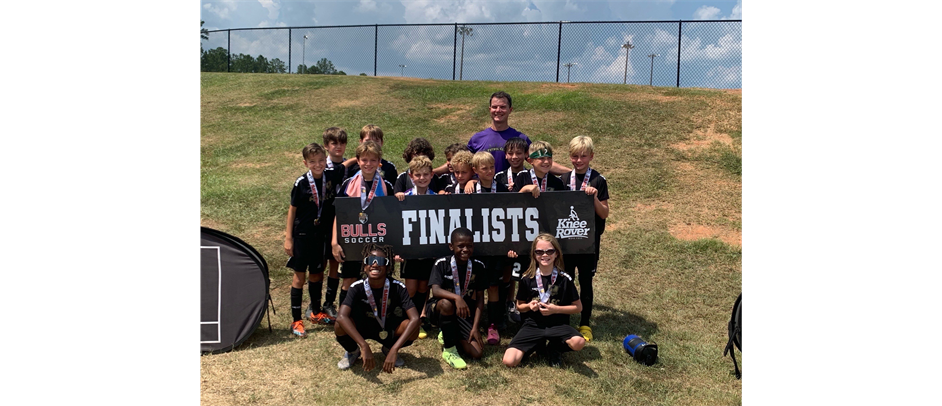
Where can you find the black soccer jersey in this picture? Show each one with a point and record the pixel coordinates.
(562, 293)
(442, 276)
(502, 178)
(307, 209)
(523, 178)
(501, 188)
(387, 171)
(404, 183)
(597, 181)
(399, 302)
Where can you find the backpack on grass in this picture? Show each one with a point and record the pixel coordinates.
(735, 334)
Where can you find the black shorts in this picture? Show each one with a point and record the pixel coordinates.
(530, 337)
(494, 269)
(419, 269)
(369, 329)
(464, 324)
(351, 269)
(585, 263)
(308, 255)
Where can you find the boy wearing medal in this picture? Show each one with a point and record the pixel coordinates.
(445, 174)
(583, 177)
(308, 219)
(386, 169)
(377, 308)
(515, 151)
(538, 179)
(416, 148)
(335, 142)
(482, 163)
(462, 172)
(415, 271)
(458, 284)
(545, 298)
(366, 184)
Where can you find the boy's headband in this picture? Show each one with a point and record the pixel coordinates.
(541, 153)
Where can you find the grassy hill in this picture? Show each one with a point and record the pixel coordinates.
(671, 258)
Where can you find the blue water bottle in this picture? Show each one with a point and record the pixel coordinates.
(645, 353)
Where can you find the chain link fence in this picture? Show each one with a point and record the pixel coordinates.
(660, 53)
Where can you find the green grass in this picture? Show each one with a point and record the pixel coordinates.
(671, 255)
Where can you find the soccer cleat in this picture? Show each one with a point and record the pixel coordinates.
(323, 318)
(399, 360)
(452, 358)
(298, 328)
(309, 313)
(512, 313)
(441, 339)
(330, 310)
(349, 358)
(554, 359)
(492, 337)
(586, 332)
(422, 333)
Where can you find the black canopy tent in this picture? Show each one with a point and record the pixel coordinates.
(234, 292)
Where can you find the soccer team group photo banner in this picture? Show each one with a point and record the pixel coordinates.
(420, 226)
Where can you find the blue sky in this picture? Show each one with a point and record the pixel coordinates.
(710, 57)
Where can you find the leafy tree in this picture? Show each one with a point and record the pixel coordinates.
(277, 66)
(326, 67)
(214, 60)
(204, 34)
(362, 74)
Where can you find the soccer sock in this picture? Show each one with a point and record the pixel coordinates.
(418, 299)
(495, 311)
(314, 290)
(559, 346)
(347, 342)
(296, 303)
(503, 293)
(332, 284)
(586, 295)
(343, 295)
(449, 330)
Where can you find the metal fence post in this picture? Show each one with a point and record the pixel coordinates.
(680, 25)
(454, 53)
(559, 47)
(228, 50)
(289, 50)
(375, 47)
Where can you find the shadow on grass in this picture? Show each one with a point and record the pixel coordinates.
(615, 324)
(432, 367)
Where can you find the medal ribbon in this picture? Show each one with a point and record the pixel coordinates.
(313, 185)
(510, 179)
(572, 179)
(535, 182)
(366, 200)
(369, 297)
(454, 275)
(477, 187)
(544, 293)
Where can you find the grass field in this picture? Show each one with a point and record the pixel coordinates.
(671, 258)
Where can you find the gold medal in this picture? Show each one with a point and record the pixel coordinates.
(363, 218)
(398, 312)
(383, 335)
(317, 221)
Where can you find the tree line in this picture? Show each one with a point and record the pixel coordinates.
(218, 60)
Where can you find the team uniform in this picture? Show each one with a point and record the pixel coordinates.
(493, 142)
(442, 181)
(528, 177)
(313, 220)
(493, 264)
(361, 313)
(586, 263)
(419, 268)
(538, 329)
(352, 269)
(442, 276)
(521, 263)
(404, 183)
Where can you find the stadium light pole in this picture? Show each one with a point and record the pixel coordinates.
(568, 66)
(651, 79)
(402, 69)
(464, 31)
(627, 45)
(303, 49)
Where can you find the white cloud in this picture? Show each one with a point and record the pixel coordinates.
(272, 7)
(366, 5)
(570, 6)
(706, 13)
(222, 9)
(737, 11)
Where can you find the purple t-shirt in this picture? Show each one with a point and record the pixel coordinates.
(493, 142)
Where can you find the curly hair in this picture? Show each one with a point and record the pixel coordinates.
(387, 250)
(418, 146)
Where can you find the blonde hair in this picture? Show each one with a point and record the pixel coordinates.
(581, 144)
(461, 158)
(369, 147)
(481, 158)
(420, 162)
(531, 271)
(371, 129)
(538, 145)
